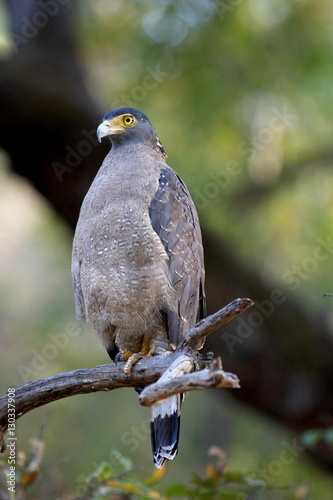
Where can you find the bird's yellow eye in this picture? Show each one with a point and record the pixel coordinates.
(128, 120)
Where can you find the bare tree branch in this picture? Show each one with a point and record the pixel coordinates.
(146, 371)
(196, 335)
(209, 378)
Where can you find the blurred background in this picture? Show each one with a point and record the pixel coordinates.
(240, 93)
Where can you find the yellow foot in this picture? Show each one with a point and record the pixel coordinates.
(134, 358)
(123, 356)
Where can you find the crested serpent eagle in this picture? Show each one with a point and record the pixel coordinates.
(137, 265)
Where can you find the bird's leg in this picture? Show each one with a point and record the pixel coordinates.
(149, 347)
(122, 355)
(146, 352)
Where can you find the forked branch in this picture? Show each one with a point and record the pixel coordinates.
(175, 374)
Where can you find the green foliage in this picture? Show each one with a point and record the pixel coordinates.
(218, 484)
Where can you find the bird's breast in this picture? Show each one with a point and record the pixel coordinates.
(125, 269)
(124, 266)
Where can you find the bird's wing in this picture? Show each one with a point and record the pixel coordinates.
(175, 220)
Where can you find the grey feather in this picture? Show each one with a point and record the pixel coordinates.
(175, 220)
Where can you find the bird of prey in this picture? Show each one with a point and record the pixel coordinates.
(137, 264)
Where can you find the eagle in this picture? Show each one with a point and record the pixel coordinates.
(137, 263)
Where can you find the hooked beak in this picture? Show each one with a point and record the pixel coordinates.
(110, 127)
(103, 130)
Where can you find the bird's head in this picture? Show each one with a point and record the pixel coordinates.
(128, 124)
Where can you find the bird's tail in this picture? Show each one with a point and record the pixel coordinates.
(164, 429)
